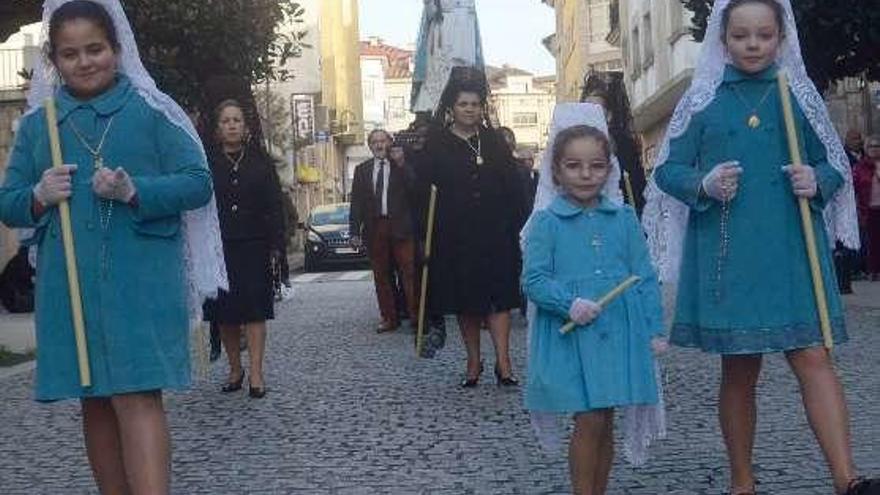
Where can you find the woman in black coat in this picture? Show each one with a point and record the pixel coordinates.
(250, 211)
(475, 264)
(608, 90)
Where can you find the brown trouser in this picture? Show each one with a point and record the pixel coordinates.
(380, 248)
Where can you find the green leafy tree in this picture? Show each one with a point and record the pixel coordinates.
(275, 118)
(201, 51)
(838, 38)
(16, 13)
(204, 51)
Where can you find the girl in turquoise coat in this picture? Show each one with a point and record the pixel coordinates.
(577, 249)
(743, 281)
(133, 168)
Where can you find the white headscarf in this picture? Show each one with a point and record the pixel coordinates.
(665, 218)
(567, 115)
(642, 424)
(203, 250)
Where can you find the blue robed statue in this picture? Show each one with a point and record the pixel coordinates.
(449, 36)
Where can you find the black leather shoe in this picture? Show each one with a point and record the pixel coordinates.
(257, 392)
(387, 326)
(505, 381)
(233, 386)
(472, 382)
(863, 486)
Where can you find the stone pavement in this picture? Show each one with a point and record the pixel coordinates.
(352, 412)
(17, 330)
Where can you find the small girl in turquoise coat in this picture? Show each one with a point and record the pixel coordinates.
(576, 250)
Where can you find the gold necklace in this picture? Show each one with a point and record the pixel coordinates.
(753, 121)
(105, 206)
(97, 159)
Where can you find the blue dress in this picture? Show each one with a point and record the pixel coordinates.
(575, 252)
(130, 259)
(762, 298)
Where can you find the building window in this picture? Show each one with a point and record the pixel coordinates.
(614, 15)
(676, 17)
(599, 20)
(648, 37)
(396, 108)
(369, 90)
(636, 55)
(525, 118)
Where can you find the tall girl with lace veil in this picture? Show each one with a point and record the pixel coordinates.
(134, 165)
(724, 224)
(580, 243)
(449, 36)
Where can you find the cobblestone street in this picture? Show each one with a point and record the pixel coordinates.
(352, 412)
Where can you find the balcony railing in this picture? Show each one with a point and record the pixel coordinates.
(13, 62)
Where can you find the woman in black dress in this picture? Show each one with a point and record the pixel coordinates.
(251, 224)
(475, 265)
(608, 90)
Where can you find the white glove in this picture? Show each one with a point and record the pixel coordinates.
(114, 185)
(659, 346)
(583, 311)
(722, 182)
(803, 180)
(55, 185)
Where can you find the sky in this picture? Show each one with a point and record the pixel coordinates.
(512, 30)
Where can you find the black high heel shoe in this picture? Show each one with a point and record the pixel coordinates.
(472, 382)
(505, 381)
(257, 392)
(233, 386)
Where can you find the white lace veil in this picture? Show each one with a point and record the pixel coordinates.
(203, 251)
(641, 424)
(665, 218)
(567, 115)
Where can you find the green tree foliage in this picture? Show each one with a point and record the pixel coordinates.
(16, 13)
(202, 51)
(188, 46)
(839, 38)
(275, 119)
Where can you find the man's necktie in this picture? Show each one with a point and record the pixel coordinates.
(380, 187)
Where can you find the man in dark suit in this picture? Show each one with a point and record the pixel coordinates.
(381, 218)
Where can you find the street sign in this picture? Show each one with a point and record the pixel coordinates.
(303, 119)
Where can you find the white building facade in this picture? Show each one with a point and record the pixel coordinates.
(659, 55)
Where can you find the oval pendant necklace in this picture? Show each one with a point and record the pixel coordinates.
(753, 121)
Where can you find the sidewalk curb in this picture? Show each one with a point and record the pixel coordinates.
(11, 371)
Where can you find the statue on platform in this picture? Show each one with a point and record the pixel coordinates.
(449, 36)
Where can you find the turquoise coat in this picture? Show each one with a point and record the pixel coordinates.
(131, 269)
(764, 299)
(575, 252)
